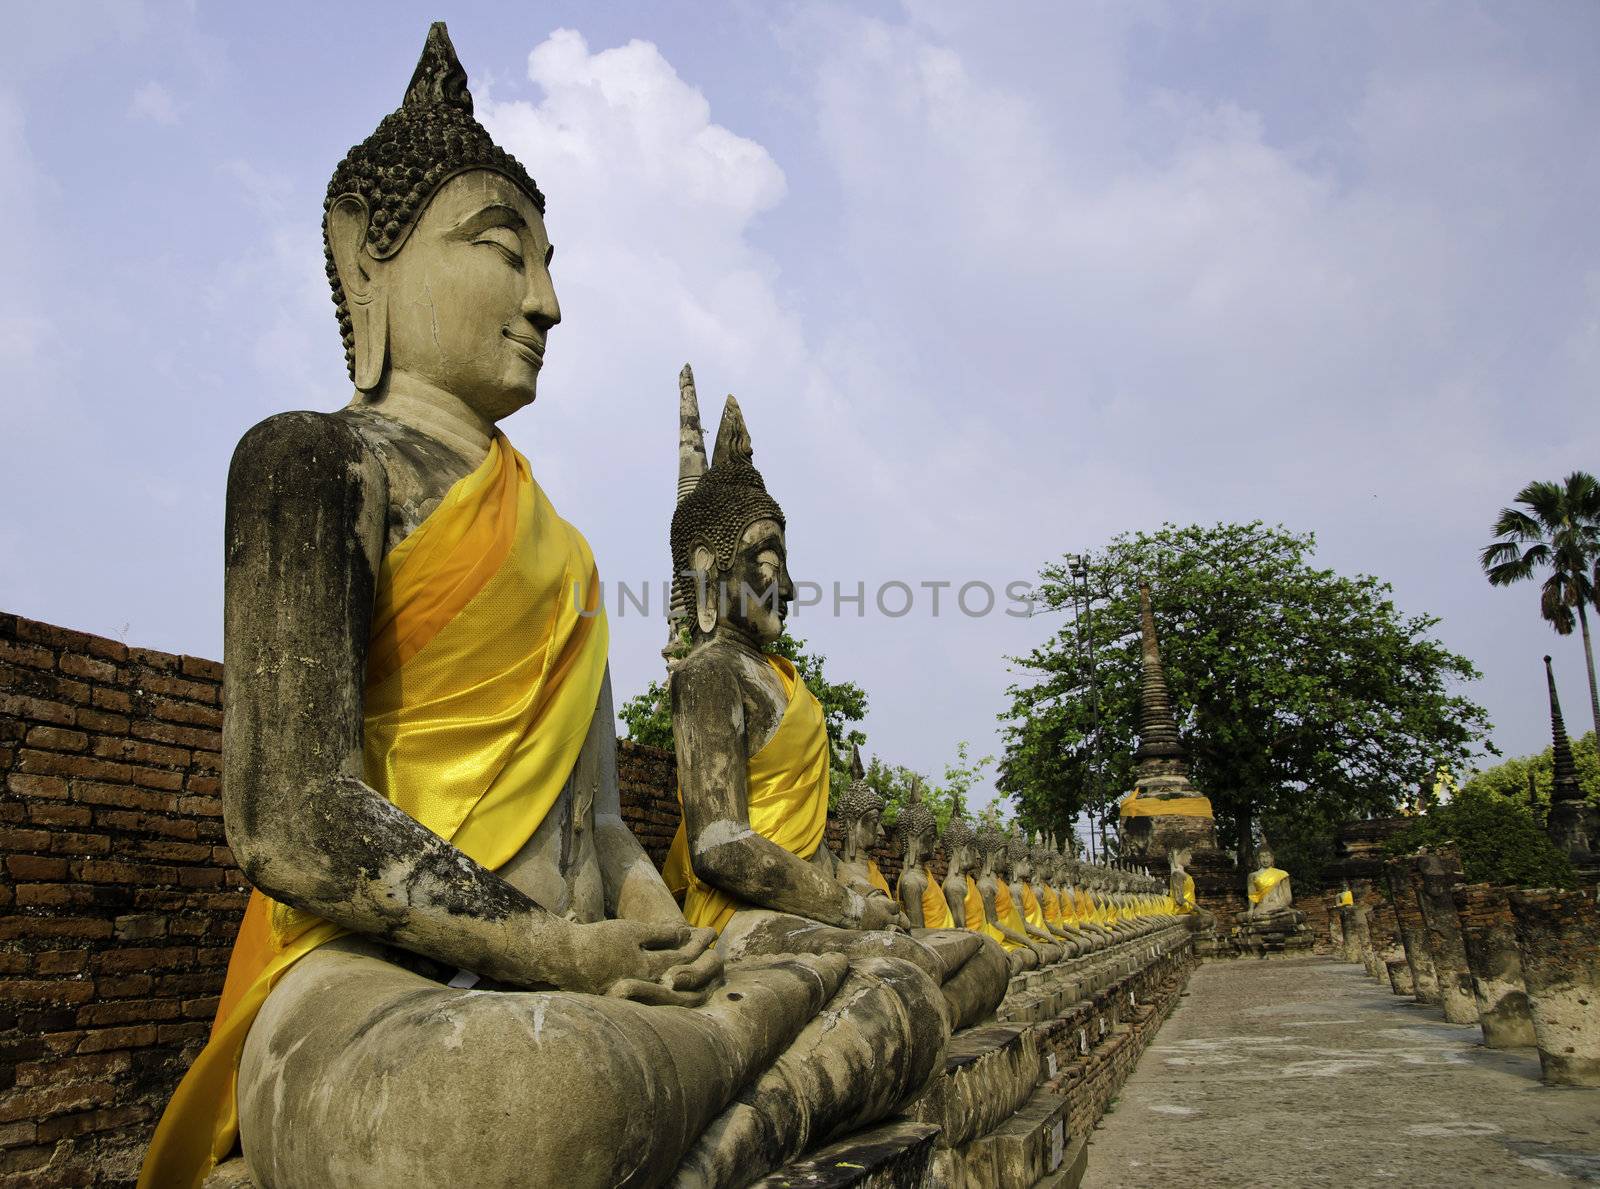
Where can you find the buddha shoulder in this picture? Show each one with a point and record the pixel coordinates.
(302, 463)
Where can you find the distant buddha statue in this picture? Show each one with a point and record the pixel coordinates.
(754, 757)
(1268, 891)
(458, 965)
(1041, 867)
(999, 909)
(967, 904)
(1019, 867)
(919, 894)
(860, 815)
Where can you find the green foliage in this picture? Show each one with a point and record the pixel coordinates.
(1508, 780)
(1557, 528)
(1498, 840)
(647, 716)
(1300, 691)
(1305, 843)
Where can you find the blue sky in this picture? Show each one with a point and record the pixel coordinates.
(991, 282)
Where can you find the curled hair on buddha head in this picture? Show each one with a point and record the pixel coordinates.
(1017, 848)
(858, 798)
(958, 830)
(719, 502)
(916, 820)
(429, 139)
(991, 839)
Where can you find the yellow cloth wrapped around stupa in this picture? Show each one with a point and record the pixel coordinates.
(1137, 805)
(482, 678)
(787, 800)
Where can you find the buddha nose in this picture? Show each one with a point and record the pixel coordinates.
(539, 304)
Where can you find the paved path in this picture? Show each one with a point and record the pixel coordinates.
(1303, 1072)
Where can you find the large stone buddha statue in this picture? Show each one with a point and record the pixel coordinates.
(860, 817)
(1271, 922)
(753, 752)
(458, 965)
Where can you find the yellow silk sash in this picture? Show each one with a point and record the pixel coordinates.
(876, 879)
(1347, 899)
(935, 908)
(1052, 907)
(1031, 910)
(1188, 904)
(978, 920)
(1263, 881)
(1005, 908)
(482, 680)
(1134, 805)
(787, 799)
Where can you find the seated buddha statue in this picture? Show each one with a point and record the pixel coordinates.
(753, 751)
(1060, 875)
(1000, 908)
(1269, 894)
(1041, 862)
(860, 817)
(967, 906)
(918, 893)
(1019, 869)
(454, 939)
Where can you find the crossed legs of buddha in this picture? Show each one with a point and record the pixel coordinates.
(362, 1074)
(970, 970)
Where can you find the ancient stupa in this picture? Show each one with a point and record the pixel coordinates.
(1571, 823)
(1165, 811)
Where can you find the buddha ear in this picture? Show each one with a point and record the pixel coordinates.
(705, 592)
(364, 297)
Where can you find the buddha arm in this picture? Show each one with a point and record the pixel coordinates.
(633, 887)
(708, 730)
(304, 533)
(987, 892)
(955, 895)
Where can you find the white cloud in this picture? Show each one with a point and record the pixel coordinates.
(155, 103)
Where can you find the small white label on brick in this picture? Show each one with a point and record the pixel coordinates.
(1050, 1064)
(1058, 1143)
(1083, 1040)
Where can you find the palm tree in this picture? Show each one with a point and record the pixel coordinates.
(1557, 528)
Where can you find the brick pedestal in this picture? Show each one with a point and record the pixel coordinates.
(1437, 876)
(1558, 940)
(1413, 938)
(1497, 984)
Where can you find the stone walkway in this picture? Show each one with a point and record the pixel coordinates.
(1303, 1072)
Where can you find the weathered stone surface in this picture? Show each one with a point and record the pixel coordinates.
(1400, 976)
(1023, 1150)
(1413, 936)
(1437, 875)
(1558, 940)
(988, 1073)
(1489, 933)
(895, 1155)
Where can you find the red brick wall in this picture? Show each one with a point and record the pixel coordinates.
(118, 898)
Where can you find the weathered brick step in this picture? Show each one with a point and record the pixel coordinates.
(895, 1155)
(1022, 1151)
(988, 1073)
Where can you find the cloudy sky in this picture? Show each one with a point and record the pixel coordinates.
(992, 282)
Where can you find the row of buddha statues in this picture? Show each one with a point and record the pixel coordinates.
(1038, 903)
(458, 965)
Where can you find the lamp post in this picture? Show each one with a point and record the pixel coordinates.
(1078, 566)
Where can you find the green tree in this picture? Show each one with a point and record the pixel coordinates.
(1509, 779)
(1498, 840)
(1300, 691)
(1557, 528)
(647, 716)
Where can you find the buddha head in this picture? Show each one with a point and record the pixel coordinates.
(961, 844)
(991, 844)
(1264, 858)
(1019, 856)
(1044, 861)
(917, 826)
(730, 560)
(437, 252)
(860, 813)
